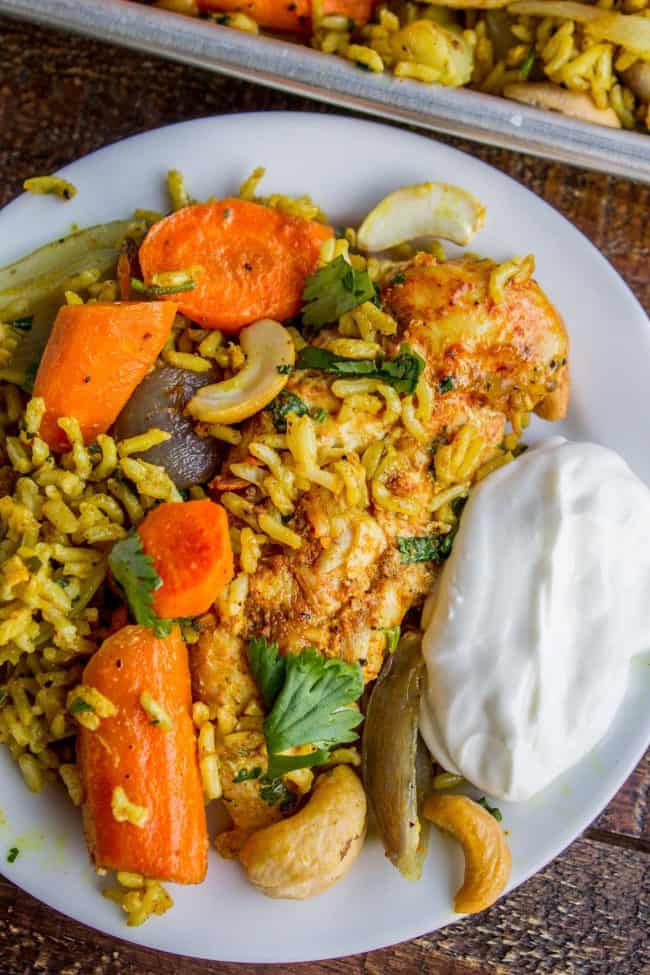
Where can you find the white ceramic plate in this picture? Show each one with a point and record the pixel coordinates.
(347, 166)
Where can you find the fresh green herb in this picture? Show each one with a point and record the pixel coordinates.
(282, 405)
(23, 324)
(362, 66)
(94, 449)
(446, 385)
(334, 289)
(425, 548)
(79, 706)
(134, 571)
(493, 810)
(156, 290)
(268, 668)
(398, 279)
(312, 708)
(63, 582)
(402, 372)
(33, 563)
(246, 774)
(286, 369)
(319, 415)
(13, 854)
(392, 634)
(528, 63)
(308, 700)
(274, 791)
(352, 24)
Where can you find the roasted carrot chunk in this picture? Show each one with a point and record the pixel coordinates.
(294, 17)
(143, 805)
(95, 357)
(251, 261)
(189, 544)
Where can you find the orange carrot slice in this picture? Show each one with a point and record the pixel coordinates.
(95, 357)
(285, 15)
(154, 762)
(254, 260)
(189, 544)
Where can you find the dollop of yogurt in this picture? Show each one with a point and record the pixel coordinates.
(529, 633)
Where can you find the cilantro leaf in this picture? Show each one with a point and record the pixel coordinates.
(79, 706)
(13, 854)
(268, 667)
(282, 405)
(334, 289)
(313, 708)
(23, 324)
(274, 791)
(493, 810)
(425, 548)
(134, 571)
(246, 774)
(446, 384)
(402, 372)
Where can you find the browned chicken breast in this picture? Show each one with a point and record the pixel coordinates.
(332, 507)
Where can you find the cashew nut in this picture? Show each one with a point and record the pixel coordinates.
(304, 855)
(270, 353)
(487, 858)
(424, 210)
(544, 94)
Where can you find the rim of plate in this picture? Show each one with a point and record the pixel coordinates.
(392, 931)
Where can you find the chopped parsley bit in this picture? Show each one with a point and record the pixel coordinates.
(446, 384)
(246, 774)
(398, 279)
(319, 415)
(493, 810)
(528, 63)
(362, 66)
(156, 290)
(352, 24)
(94, 449)
(79, 706)
(425, 548)
(23, 324)
(392, 634)
(13, 854)
(284, 404)
(285, 370)
(309, 700)
(333, 290)
(402, 372)
(274, 791)
(134, 571)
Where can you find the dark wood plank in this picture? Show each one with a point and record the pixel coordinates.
(588, 912)
(61, 97)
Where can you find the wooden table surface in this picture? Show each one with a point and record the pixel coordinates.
(588, 911)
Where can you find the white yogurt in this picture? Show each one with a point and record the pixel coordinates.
(529, 633)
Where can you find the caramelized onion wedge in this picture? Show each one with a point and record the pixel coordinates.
(424, 210)
(487, 858)
(270, 353)
(394, 778)
(576, 104)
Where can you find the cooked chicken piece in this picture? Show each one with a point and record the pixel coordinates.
(347, 583)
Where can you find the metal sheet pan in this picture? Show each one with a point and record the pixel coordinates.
(298, 69)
